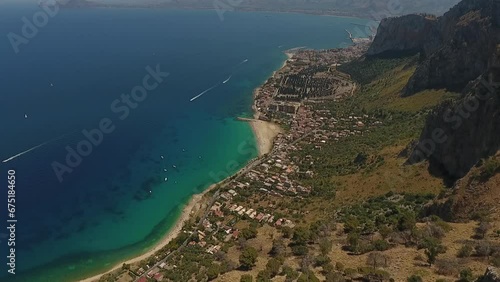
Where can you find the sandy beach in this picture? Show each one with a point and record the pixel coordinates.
(265, 132)
(194, 204)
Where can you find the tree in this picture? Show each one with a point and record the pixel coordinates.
(432, 252)
(248, 233)
(263, 276)
(407, 221)
(287, 232)
(248, 258)
(213, 271)
(246, 278)
(325, 246)
(353, 239)
(301, 236)
(273, 266)
(278, 249)
(351, 224)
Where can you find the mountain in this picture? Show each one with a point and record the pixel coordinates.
(454, 48)
(375, 9)
(460, 52)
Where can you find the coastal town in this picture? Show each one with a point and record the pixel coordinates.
(329, 197)
(292, 98)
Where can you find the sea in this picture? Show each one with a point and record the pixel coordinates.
(112, 118)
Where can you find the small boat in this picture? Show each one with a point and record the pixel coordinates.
(165, 170)
(166, 179)
(174, 166)
(51, 85)
(161, 157)
(25, 116)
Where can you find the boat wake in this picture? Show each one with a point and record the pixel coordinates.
(199, 95)
(227, 79)
(34, 148)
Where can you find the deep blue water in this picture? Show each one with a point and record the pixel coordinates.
(115, 203)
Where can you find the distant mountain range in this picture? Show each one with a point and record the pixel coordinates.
(375, 9)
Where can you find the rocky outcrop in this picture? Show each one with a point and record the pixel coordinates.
(458, 134)
(492, 275)
(455, 48)
(408, 34)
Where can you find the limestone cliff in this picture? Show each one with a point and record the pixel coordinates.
(458, 134)
(408, 34)
(454, 48)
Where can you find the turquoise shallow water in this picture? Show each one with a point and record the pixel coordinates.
(116, 204)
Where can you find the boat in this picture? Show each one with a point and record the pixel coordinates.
(161, 157)
(25, 116)
(166, 179)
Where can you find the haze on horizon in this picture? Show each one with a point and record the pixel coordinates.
(363, 8)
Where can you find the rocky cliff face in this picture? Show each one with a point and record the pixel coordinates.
(458, 134)
(492, 275)
(407, 34)
(455, 48)
(459, 52)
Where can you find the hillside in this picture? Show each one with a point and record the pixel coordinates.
(458, 52)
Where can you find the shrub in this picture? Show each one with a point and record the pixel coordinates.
(246, 278)
(483, 249)
(495, 261)
(321, 260)
(381, 245)
(414, 278)
(466, 275)
(299, 250)
(465, 251)
(482, 229)
(334, 277)
(263, 276)
(339, 266)
(376, 259)
(447, 267)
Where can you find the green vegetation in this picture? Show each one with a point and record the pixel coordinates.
(248, 258)
(365, 70)
(415, 278)
(246, 278)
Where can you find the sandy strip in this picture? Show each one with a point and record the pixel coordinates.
(265, 132)
(193, 204)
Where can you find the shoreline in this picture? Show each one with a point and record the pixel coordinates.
(169, 236)
(264, 132)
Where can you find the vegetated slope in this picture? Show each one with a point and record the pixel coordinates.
(460, 54)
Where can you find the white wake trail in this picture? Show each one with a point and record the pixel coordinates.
(33, 148)
(199, 95)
